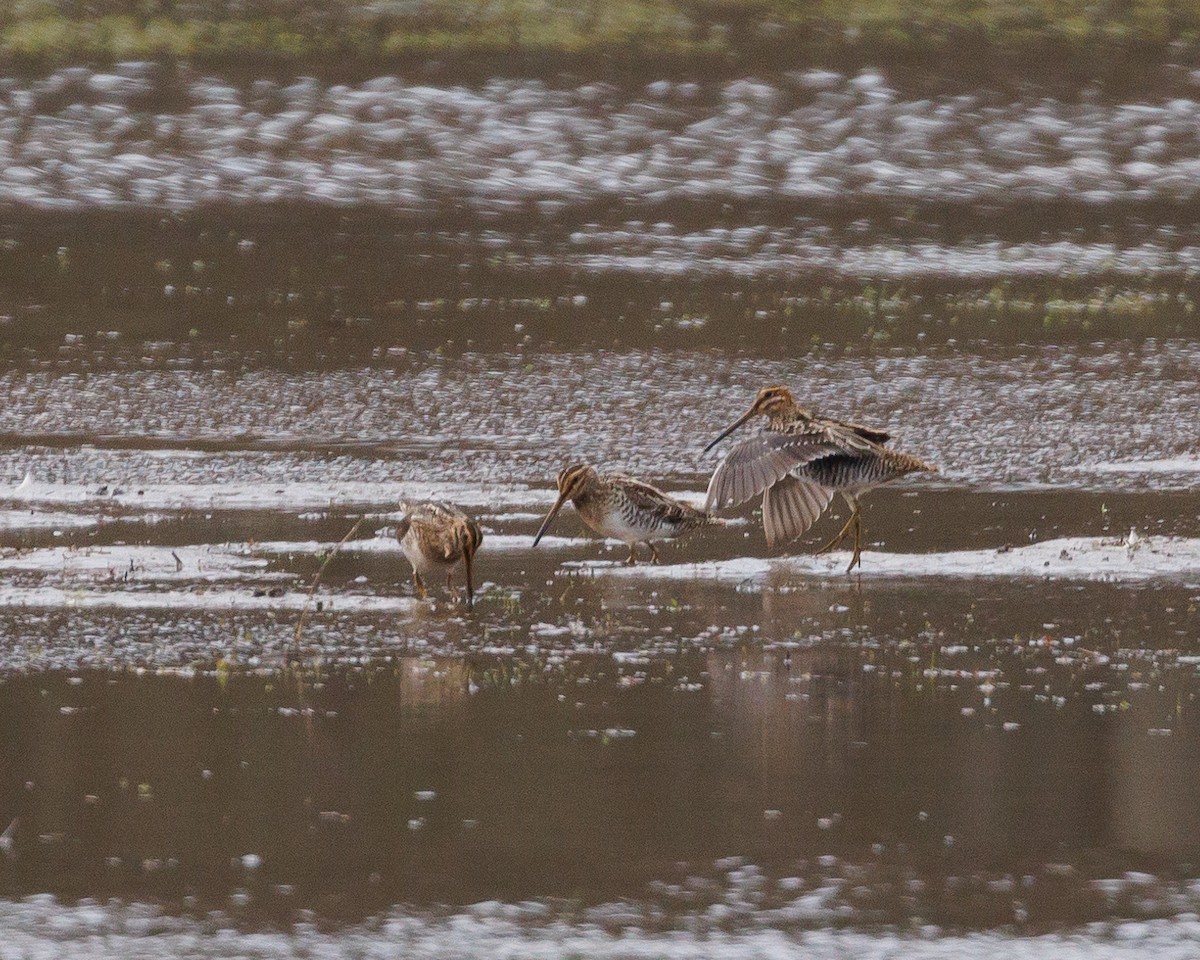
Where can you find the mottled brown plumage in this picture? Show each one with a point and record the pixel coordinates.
(623, 508)
(798, 461)
(435, 536)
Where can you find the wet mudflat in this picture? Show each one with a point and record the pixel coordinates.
(1106, 414)
(993, 729)
(986, 742)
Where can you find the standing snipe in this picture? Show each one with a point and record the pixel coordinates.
(435, 536)
(798, 462)
(624, 509)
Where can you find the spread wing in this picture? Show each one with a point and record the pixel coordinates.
(791, 506)
(645, 497)
(760, 462)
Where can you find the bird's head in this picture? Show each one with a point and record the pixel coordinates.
(573, 481)
(770, 402)
(468, 536)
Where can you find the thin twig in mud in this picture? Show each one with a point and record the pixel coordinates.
(317, 579)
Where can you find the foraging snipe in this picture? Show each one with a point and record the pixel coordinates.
(624, 509)
(435, 536)
(798, 462)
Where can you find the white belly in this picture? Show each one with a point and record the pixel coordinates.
(421, 563)
(614, 527)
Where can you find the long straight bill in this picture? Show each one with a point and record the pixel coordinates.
(728, 430)
(562, 498)
(468, 563)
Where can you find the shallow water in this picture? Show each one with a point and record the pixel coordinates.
(994, 727)
(983, 742)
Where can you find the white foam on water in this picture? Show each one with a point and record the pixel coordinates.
(138, 563)
(115, 576)
(1164, 465)
(288, 496)
(209, 600)
(35, 520)
(42, 928)
(492, 543)
(736, 570)
(1068, 558)
(532, 503)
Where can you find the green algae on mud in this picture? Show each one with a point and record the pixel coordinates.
(369, 282)
(1118, 44)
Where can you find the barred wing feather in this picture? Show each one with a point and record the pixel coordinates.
(431, 511)
(645, 497)
(790, 507)
(762, 461)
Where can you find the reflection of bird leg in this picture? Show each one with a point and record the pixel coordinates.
(654, 552)
(8, 840)
(632, 558)
(420, 585)
(841, 534)
(856, 560)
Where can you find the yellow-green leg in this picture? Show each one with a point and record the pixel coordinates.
(654, 553)
(841, 533)
(856, 560)
(420, 585)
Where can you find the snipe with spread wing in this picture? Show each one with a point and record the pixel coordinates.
(623, 508)
(798, 461)
(435, 536)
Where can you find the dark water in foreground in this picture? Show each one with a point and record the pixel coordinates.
(393, 783)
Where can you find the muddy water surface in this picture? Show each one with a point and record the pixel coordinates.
(993, 728)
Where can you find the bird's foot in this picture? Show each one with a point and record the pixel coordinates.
(836, 541)
(831, 545)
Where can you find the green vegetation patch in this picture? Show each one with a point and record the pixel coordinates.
(667, 34)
